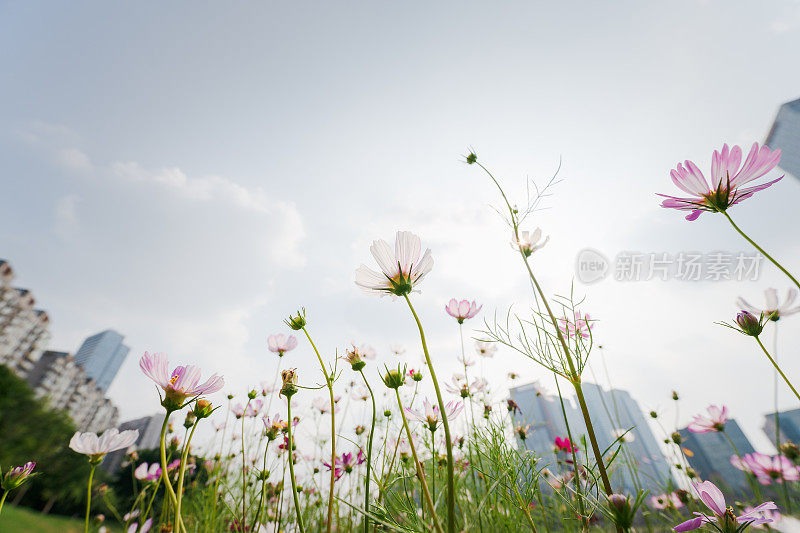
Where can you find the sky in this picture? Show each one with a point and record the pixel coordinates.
(191, 173)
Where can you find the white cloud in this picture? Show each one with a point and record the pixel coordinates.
(73, 159)
(66, 217)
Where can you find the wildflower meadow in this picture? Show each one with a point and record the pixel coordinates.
(357, 446)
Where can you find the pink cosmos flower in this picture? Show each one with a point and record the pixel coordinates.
(579, 326)
(564, 445)
(251, 411)
(401, 270)
(280, 343)
(664, 501)
(462, 310)
(713, 498)
(346, 463)
(148, 473)
(714, 422)
(774, 309)
(727, 180)
(458, 385)
(773, 515)
(182, 384)
(430, 415)
(97, 446)
(769, 469)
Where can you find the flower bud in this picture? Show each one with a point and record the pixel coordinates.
(289, 377)
(252, 394)
(394, 378)
(675, 395)
(621, 511)
(749, 324)
(676, 438)
(17, 476)
(472, 158)
(297, 322)
(653, 414)
(387, 413)
(189, 421)
(790, 451)
(354, 357)
(203, 409)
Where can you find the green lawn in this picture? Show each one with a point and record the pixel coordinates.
(22, 520)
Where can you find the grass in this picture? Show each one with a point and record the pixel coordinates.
(23, 520)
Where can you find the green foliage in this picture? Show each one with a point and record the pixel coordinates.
(30, 431)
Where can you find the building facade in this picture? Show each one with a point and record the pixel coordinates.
(102, 355)
(788, 424)
(614, 413)
(63, 383)
(709, 454)
(23, 328)
(785, 134)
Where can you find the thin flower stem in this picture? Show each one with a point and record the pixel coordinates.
(775, 364)
(244, 470)
(164, 476)
(291, 465)
(420, 471)
(329, 382)
(749, 475)
(182, 472)
(88, 498)
(578, 488)
(3, 500)
(451, 485)
(263, 483)
(760, 249)
(369, 454)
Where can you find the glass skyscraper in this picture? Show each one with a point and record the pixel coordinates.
(101, 355)
(788, 423)
(785, 134)
(613, 412)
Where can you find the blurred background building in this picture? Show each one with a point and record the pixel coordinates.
(23, 328)
(149, 428)
(709, 454)
(614, 413)
(785, 134)
(788, 424)
(75, 385)
(101, 355)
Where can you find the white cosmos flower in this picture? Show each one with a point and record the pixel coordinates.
(401, 270)
(774, 307)
(93, 445)
(485, 349)
(528, 241)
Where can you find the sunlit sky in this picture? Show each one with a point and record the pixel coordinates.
(189, 173)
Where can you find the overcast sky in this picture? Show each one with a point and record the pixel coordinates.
(190, 173)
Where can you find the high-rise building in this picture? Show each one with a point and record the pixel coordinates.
(785, 134)
(709, 454)
(788, 424)
(149, 428)
(102, 355)
(58, 378)
(23, 328)
(614, 413)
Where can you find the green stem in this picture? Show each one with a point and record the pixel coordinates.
(291, 464)
(451, 489)
(369, 454)
(420, 471)
(775, 364)
(88, 497)
(329, 382)
(760, 249)
(181, 472)
(3, 500)
(244, 471)
(263, 483)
